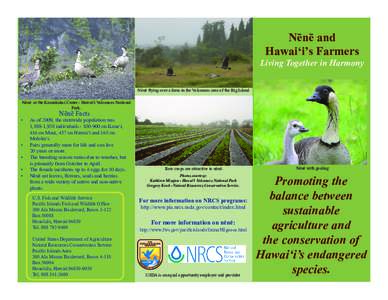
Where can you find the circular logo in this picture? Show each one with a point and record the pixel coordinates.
(176, 255)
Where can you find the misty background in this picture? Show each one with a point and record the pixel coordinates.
(175, 31)
(193, 110)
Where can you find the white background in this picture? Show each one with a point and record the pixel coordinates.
(10, 10)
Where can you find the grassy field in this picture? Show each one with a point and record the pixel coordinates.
(195, 76)
(277, 102)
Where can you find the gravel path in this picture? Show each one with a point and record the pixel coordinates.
(237, 156)
(155, 157)
(248, 141)
(113, 85)
(199, 157)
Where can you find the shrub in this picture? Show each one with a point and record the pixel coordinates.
(96, 63)
(238, 56)
(53, 77)
(47, 58)
(152, 57)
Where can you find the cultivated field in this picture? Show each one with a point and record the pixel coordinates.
(195, 146)
(195, 75)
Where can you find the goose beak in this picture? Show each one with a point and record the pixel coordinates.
(315, 97)
(303, 129)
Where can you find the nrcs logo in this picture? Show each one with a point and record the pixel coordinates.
(206, 254)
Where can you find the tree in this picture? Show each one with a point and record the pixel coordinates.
(247, 123)
(220, 33)
(249, 27)
(184, 55)
(206, 33)
(214, 34)
(232, 37)
(152, 57)
(81, 26)
(241, 29)
(159, 40)
(235, 124)
(199, 40)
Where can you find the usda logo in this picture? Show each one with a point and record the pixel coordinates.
(206, 254)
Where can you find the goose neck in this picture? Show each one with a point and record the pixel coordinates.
(289, 154)
(331, 135)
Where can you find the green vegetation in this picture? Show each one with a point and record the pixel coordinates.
(195, 76)
(47, 62)
(220, 156)
(54, 42)
(158, 130)
(47, 58)
(180, 156)
(151, 150)
(192, 63)
(279, 101)
(59, 76)
(153, 139)
(245, 147)
(180, 135)
(247, 132)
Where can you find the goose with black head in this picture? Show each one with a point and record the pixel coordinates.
(327, 149)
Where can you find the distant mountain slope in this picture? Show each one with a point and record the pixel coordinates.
(69, 34)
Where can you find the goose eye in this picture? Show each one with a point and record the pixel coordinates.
(294, 125)
(325, 91)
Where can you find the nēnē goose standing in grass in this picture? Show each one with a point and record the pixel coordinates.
(27, 80)
(80, 69)
(122, 61)
(225, 64)
(294, 128)
(327, 149)
(170, 71)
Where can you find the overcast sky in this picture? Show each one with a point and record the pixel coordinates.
(175, 31)
(193, 109)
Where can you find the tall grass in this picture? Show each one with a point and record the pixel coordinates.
(277, 102)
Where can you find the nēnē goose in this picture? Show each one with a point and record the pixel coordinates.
(170, 71)
(327, 149)
(290, 157)
(27, 80)
(122, 61)
(225, 64)
(80, 69)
